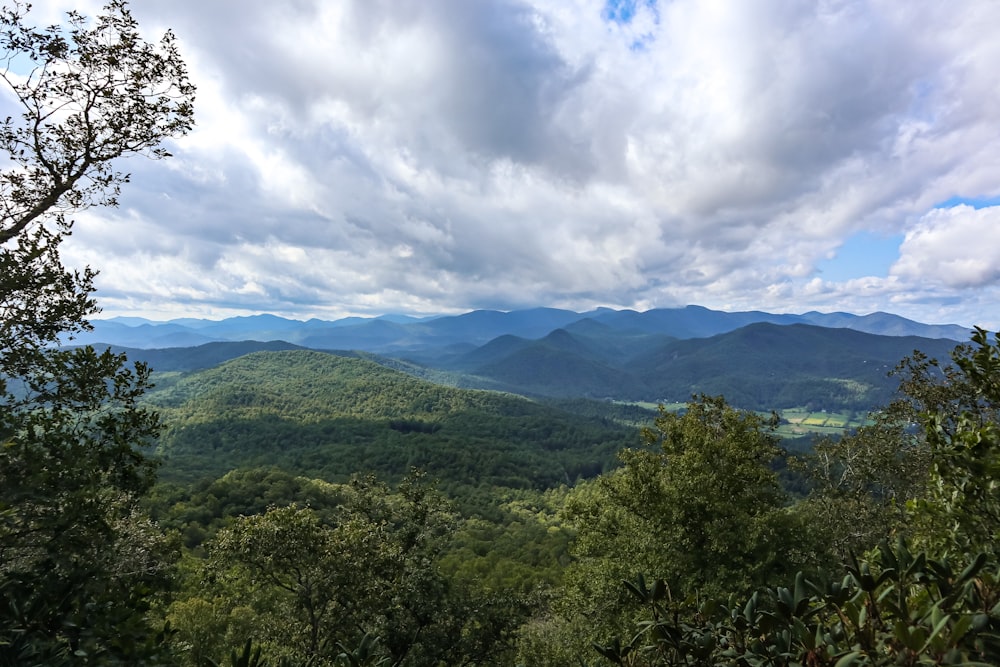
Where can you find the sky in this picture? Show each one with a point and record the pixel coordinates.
(365, 157)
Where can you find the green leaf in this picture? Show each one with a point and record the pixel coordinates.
(851, 659)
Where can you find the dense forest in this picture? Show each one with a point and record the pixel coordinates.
(275, 538)
(332, 416)
(886, 557)
(295, 508)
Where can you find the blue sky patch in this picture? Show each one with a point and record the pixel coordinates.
(864, 254)
(974, 202)
(622, 11)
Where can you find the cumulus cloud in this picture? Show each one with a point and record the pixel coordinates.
(439, 155)
(958, 247)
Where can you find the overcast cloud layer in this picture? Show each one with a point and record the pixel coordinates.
(433, 156)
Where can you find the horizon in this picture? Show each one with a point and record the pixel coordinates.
(458, 314)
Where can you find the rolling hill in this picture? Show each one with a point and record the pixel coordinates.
(331, 416)
(761, 366)
(766, 366)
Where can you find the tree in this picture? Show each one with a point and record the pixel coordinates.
(314, 582)
(960, 511)
(860, 486)
(701, 495)
(929, 468)
(895, 607)
(75, 557)
(88, 95)
(699, 507)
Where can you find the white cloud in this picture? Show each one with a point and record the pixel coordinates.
(958, 247)
(443, 155)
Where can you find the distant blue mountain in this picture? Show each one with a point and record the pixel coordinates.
(198, 357)
(689, 322)
(142, 335)
(480, 326)
(422, 336)
(886, 324)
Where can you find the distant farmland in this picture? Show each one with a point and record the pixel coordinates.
(796, 422)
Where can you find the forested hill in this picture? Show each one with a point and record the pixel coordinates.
(331, 416)
(201, 356)
(766, 366)
(761, 366)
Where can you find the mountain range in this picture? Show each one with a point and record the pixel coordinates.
(756, 360)
(402, 334)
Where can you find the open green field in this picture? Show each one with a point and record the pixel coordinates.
(647, 405)
(795, 422)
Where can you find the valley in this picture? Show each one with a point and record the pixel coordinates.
(510, 476)
(513, 412)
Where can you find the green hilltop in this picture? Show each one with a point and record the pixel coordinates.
(330, 416)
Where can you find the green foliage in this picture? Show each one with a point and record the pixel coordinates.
(704, 490)
(961, 510)
(77, 559)
(628, 414)
(197, 512)
(940, 606)
(860, 485)
(898, 608)
(364, 655)
(309, 583)
(78, 562)
(328, 416)
(524, 546)
(699, 506)
(926, 467)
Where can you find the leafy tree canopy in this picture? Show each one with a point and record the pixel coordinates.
(896, 605)
(74, 555)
